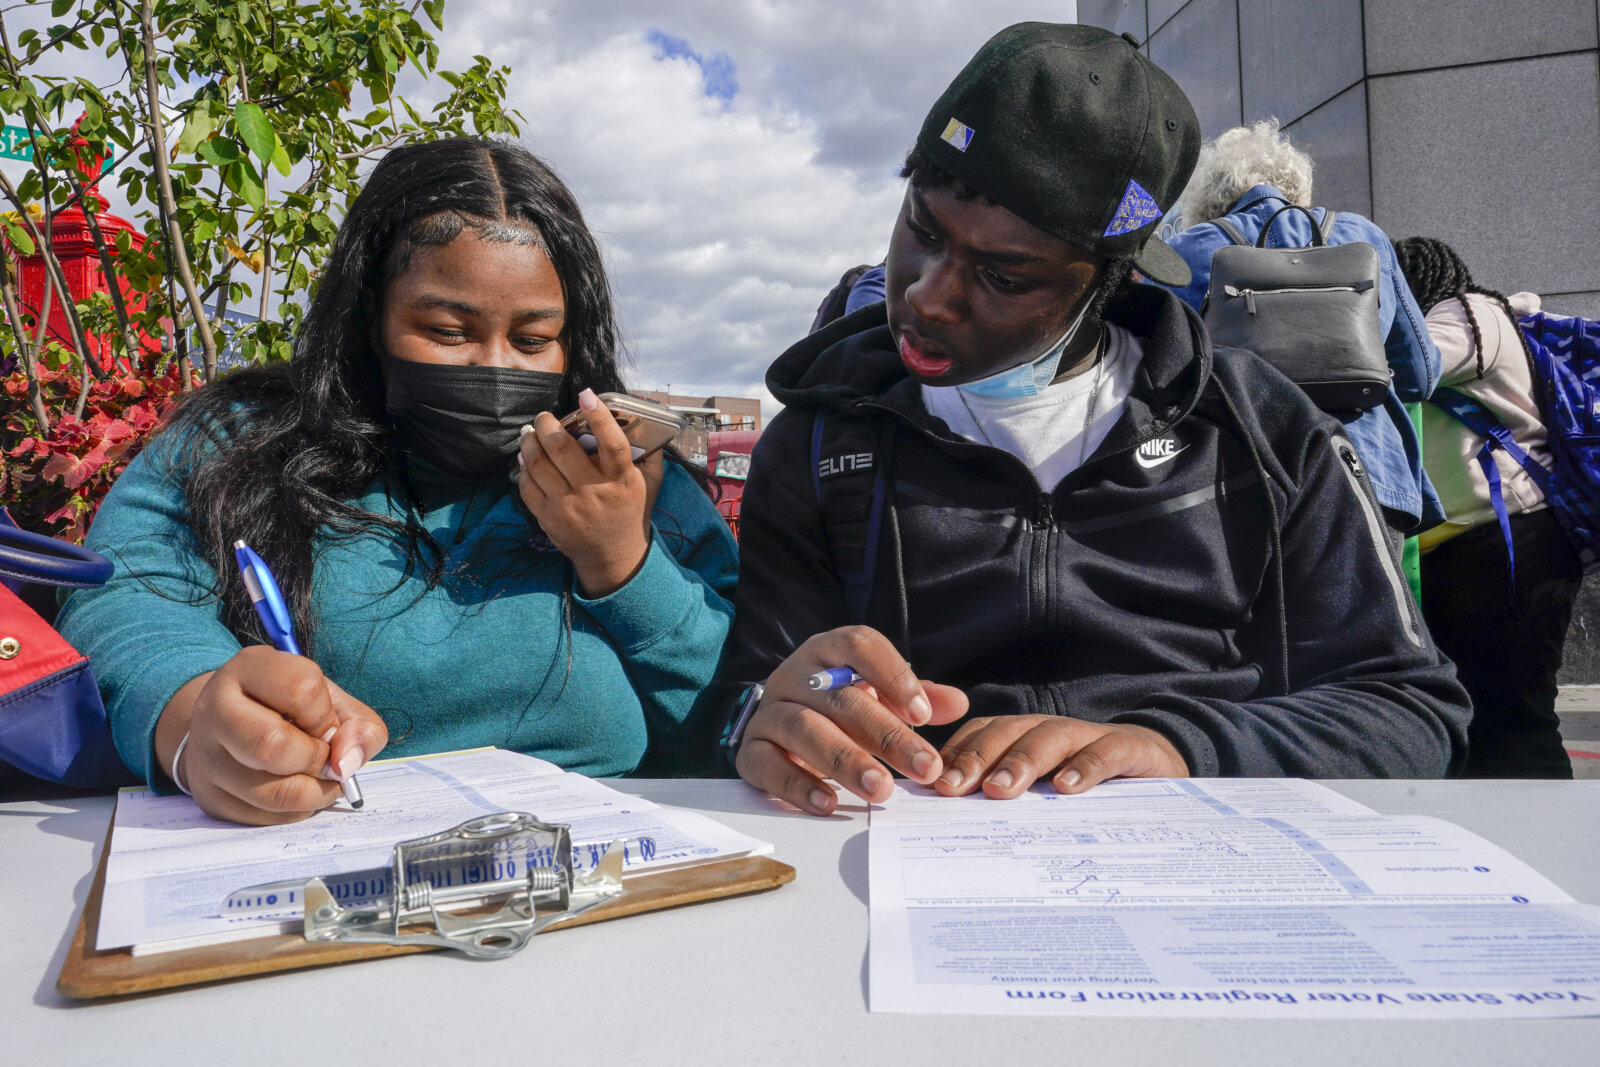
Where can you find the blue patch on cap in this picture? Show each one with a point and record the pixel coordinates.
(1138, 208)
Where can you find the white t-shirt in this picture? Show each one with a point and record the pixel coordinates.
(1046, 431)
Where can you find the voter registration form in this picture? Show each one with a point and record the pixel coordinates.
(171, 865)
(1212, 897)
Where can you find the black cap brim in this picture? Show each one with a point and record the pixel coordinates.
(1158, 262)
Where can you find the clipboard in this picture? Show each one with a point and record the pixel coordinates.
(88, 973)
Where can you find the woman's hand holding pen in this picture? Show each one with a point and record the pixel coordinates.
(269, 737)
(595, 509)
(801, 735)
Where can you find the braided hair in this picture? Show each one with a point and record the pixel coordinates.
(1436, 273)
(274, 455)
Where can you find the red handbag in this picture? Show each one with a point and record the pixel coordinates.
(52, 721)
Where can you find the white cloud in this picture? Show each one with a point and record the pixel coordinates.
(726, 220)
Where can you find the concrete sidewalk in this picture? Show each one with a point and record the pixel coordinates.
(1579, 708)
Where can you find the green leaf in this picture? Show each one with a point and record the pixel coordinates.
(280, 160)
(219, 151)
(18, 236)
(59, 8)
(241, 177)
(196, 129)
(435, 10)
(256, 131)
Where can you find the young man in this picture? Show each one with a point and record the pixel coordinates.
(1047, 523)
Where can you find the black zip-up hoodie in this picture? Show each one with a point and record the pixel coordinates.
(1144, 589)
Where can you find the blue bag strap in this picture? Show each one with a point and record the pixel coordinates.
(818, 424)
(856, 586)
(31, 557)
(1481, 421)
(1497, 499)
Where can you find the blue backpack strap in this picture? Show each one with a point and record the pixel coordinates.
(1482, 422)
(848, 477)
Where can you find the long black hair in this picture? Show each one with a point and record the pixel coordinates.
(1435, 273)
(274, 455)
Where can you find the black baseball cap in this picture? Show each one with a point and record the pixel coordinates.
(1073, 129)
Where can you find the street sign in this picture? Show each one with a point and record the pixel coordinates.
(15, 143)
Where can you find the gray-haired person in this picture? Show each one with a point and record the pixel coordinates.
(1244, 176)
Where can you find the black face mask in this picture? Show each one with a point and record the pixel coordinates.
(464, 420)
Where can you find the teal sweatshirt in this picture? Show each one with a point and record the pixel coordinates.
(484, 657)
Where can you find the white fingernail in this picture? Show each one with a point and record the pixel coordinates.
(1000, 780)
(1071, 778)
(329, 735)
(351, 762)
(819, 799)
(520, 461)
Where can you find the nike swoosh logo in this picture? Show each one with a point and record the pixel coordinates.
(1155, 461)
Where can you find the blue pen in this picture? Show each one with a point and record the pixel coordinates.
(833, 678)
(274, 614)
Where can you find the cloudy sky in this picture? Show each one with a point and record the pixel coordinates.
(733, 156)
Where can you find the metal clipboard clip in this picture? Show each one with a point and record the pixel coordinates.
(442, 890)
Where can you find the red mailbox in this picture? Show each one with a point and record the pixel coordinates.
(80, 263)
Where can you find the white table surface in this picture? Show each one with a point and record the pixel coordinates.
(773, 978)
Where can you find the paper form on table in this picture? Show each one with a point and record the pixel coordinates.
(171, 865)
(1212, 897)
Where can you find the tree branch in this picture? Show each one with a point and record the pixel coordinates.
(52, 265)
(158, 141)
(30, 369)
(109, 269)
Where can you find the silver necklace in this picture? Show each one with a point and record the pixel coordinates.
(1088, 417)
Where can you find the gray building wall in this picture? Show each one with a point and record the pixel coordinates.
(1475, 121)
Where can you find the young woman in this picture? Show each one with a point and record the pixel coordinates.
(1505, 635)
(460, 572)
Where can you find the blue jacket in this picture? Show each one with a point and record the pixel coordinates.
(1384, 436)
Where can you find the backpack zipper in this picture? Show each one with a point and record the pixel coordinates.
(1251, 294)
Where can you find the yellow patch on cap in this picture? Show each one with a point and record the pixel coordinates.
(958, 134)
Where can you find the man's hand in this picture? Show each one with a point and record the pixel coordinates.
(799, 736)
(270, 736)
(1007, 754)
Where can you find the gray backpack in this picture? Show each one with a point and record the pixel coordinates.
(1311, 312)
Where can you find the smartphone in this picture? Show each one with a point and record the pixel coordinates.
(648, 426)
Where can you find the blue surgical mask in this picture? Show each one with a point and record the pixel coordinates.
(1029, 379)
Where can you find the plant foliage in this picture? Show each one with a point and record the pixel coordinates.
(238, 131)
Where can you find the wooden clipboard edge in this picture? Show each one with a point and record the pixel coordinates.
(89, 973)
